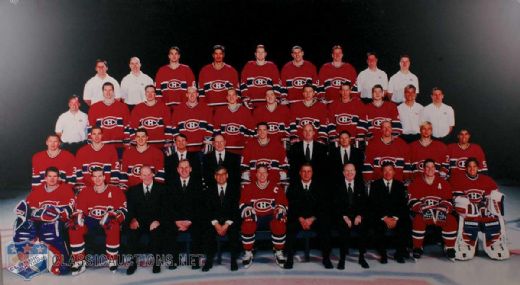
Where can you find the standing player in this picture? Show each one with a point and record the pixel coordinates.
(461, 151)
(53, 156)
(371, 77)
(172, 80)
(334, 74)
(308, 111)
(43, 214)
(400, 80)
(378, 111)
(257, 77)
(216, 78)
(295, 75)
(276, 116)
(426, 147)
(133, 84)
(98, 206)
(93, 91)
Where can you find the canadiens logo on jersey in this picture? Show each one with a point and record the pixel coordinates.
(232, 129)
(474, 195)
(273, 127)
(336, 81)
(377, 121)
(174, 84)
(97, 212)
(151, 122)
(461, 163)
(94, 165)
(218, 85)
(136, 169)
(306, 120)
(299, 81)
(46, 203)
(430, 201)
(386, 159)
(192, 125)
(260, 82)
(263, 205)
(344, 119)
(109, 122)
(264, 162)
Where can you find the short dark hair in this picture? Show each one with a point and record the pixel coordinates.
(306, 164)
(376, 87)
(346, 83)
(411, 86)
(102, 61)
(175, 48)
(149, 86)
(141, 130)
(436, 89)
(471, 159)
(52, 169)
(387, 163)
(371, 53)
(220, 47)
(345, 132)
(308, 85)
(182, 136)
(262, 124)
(404, 55)
(107, 84)
(96, 128)
(96, 169)
(428, 160)
(219, 168)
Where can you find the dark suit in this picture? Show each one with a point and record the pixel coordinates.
(394, 204)
(231, 163)
(171, 162)
(314, 202)
(318, 160)
(335, 163)
(222, 211)
(350, 204)
(145, 209)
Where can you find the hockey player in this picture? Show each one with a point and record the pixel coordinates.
(136, 157)
(308, 111)
(98, 207)
(462, 150)
(111, 115)
(480, 206)
(257, 77)
(93, 91)
(263, 203)
(295, 75)
(400, 80)
(430, 203)
(172, 80)
(371, 77)
(193, 119)
(378, 111)
(334, 74)
(347, 114)
(264, 151)
(216, 78)
(153, 116)
(276, 116)
(426, 147)
(96, 155)
(234, 122)
(387, 149)
(42, 215)
(53, 156)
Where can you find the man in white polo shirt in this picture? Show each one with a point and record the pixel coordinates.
(440, 115)
(71, 126)
(93, 91)
(133, 84)
(410, 114)
(370, 77)
(400, 80)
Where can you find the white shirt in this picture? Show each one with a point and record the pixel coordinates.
(388, 183)
(368, 78)
(342, 151)
(410, 117)
(398, 82)
(351, 183)
(149, 188)
(311, 143)
(184, 155)
(93, 88)
(132, 88)
(73, 127)
(221, 154)
(185, 181)
(222, 188)
(307, 186)
(441, 118)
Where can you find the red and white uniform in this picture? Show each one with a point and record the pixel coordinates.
(155, 119)
(301, 115)
(172, 84)
(105, 158)
(272, 155)
(376, 115)
(349, 117)
(477, 190)
(436, 150)
(64, 161)
(113, 119)
(62, 198)
(213, 84)
(236, 127)
(458, 158)
(293, 78)
(431, 204)
(331, 78)
(256, 79)
(194, 122)
(378, 152)
(277, 120)
(133, 160)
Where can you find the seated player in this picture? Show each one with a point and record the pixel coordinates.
(481, 209)
(430, 202)
(99, 206)
(263, 203)
(43, 215)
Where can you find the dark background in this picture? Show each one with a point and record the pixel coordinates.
(468, 48)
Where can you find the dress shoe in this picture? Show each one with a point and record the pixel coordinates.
(207, 267)
(384, 258)
(156, 269)
(363, 262)
(131, 269)
(327, 263)
(341, 264)
(234, 265)
(399, 258)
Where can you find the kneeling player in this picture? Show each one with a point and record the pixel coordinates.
(430, 202)
(43, 215)
(481, 209)
(262, 203)
(98, 206)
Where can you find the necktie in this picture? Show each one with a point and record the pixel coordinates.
(306, 187)
(219, 158)
(349, 188)
(308, 153)
(345, 157)
(350, 194)
(221, 195)
(147, 192)
(182, 156)
(388, 187)
(184, 185)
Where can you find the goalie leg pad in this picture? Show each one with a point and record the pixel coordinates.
(50, 233)
(495, 239)
(496, 203)
(466, 242)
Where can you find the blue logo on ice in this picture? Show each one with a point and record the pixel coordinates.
(27, 259)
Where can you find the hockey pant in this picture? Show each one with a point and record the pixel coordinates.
(277, 228)
(448, 226)
(77, 238)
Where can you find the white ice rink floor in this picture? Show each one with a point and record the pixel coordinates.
(433, 268)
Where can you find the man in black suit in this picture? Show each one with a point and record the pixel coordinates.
(343, 154)
(181, 152)
(144, 216)
(310, 151)
(389, 211)
(350, 201)
(184, 212)
(221, 157)
(223, 217)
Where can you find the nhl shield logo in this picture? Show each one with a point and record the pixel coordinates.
(27, 258)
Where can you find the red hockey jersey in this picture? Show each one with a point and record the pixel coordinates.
(262, 200)
(172, 84)
(88, 158)
(376, 115)
(213, 84)
(278, 121)
(64, 161)
(378, 152)
(293, 78)
(349, 117)
(194, 122)
(302, 115)
(95, 205)
(474, 188)
(155, 119)
(458, 158)
(423, 195)
(113, 119)
(256, 79)
(331, 78)
(236, 126)
(436, 150)
(271, 155)
(133, 160)
(62, 198)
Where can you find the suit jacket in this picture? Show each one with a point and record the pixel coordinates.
(145, 210)
(171, 163)
(357, 157)
(227, 210)
(184, 204)
(318, 160)
(231, 162)
(353, 204)
(383, 203)
(307, 203)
